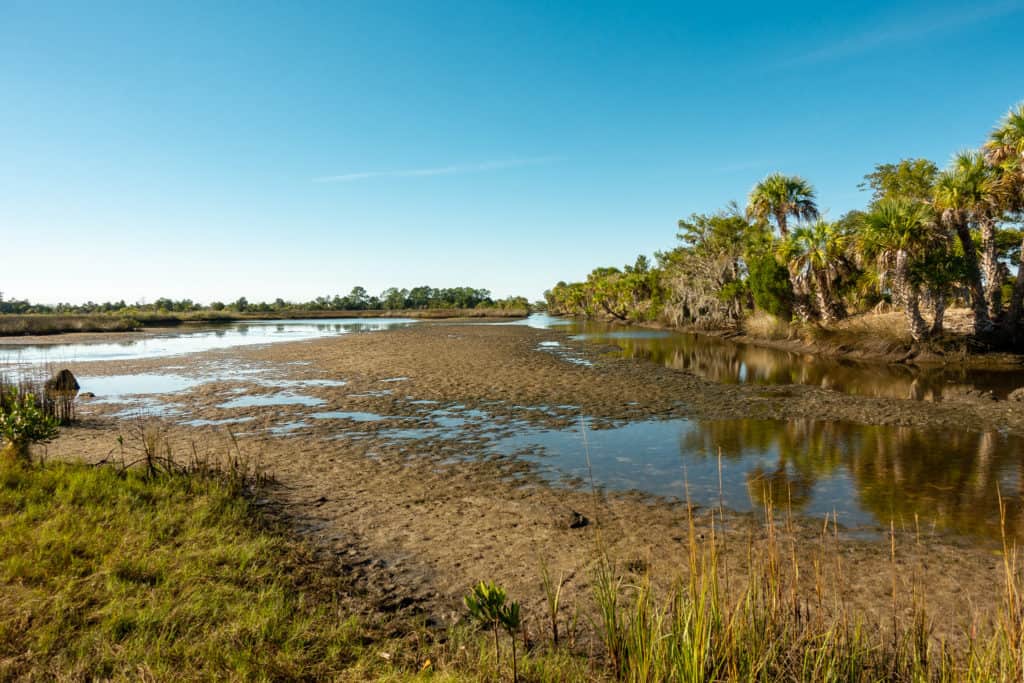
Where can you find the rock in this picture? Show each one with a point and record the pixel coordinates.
(577, 521)
(87, 394)
(62, 385)
(1016, 395)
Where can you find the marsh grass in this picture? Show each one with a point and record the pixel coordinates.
(24, 324)
(773, 628)
(766, 326)
(111, 573)
(17, 324)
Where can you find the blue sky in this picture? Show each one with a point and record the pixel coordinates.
(214, 150)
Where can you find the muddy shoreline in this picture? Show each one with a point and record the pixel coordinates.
(420, 520)
(956, 349)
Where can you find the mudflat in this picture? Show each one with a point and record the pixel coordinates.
(419, 516)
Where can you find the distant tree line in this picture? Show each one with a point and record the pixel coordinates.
(358, 299)
(926, 239)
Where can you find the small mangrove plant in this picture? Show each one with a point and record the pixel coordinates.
(23, 423)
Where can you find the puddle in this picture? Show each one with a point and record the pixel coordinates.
(287, 427)
(143, 408)
(212, 423)
(355, 416)
(395, 379)
(112, 388)
(279, 399)
(558, 351)
(286, 383)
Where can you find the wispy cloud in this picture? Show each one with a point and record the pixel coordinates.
(440, 170)
(907, 30)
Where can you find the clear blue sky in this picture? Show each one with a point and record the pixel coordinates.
(213, 150)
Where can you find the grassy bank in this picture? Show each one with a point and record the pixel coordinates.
(42, 324)
(112, 574)
(108, 574)
(17, 325)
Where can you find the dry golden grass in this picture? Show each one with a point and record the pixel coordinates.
(766, 326)
(11, 325)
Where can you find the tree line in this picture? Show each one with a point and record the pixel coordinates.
(928, 238)
(393, 298)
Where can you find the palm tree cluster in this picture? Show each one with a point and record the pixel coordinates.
(927, 238)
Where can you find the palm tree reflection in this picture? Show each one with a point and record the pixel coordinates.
(951, 480)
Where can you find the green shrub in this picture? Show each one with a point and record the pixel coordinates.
(23, 423)
(770, 287)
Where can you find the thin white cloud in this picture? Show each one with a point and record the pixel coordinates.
(907, 30)
(439, 170)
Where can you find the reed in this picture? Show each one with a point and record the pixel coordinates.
(771, 629)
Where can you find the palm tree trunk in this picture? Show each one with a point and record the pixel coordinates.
(1017, 299)
(918, 328)
(836, 306)
(780, 218)
(822, 293)
(939, 309)
(991, 271)
(982, 323)
(802, 308)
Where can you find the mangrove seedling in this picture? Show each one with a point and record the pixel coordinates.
(23, 423)
(510, 620)
(487, 604)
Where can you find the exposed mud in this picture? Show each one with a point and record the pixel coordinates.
(422, 519)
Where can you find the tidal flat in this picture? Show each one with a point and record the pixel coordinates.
(430, 456)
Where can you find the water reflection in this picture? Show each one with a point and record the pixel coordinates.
(734, 363)
(868, 475)
(188, 339)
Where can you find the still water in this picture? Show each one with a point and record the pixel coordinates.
(729, 362)
(187, 339)
(943, 480)
(865, 475)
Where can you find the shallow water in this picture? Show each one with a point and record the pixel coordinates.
(190, 339)
(114, 388)
(284, 398)
(866, 475)
(728, 362)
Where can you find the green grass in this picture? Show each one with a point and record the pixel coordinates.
(114, 575)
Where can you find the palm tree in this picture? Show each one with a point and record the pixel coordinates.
(780, 197)
(965, 196)
(895, 233)
(815, 252)
(1004, 151)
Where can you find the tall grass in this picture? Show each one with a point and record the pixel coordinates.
(770, 629)
(19, 324)
(18, 386)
